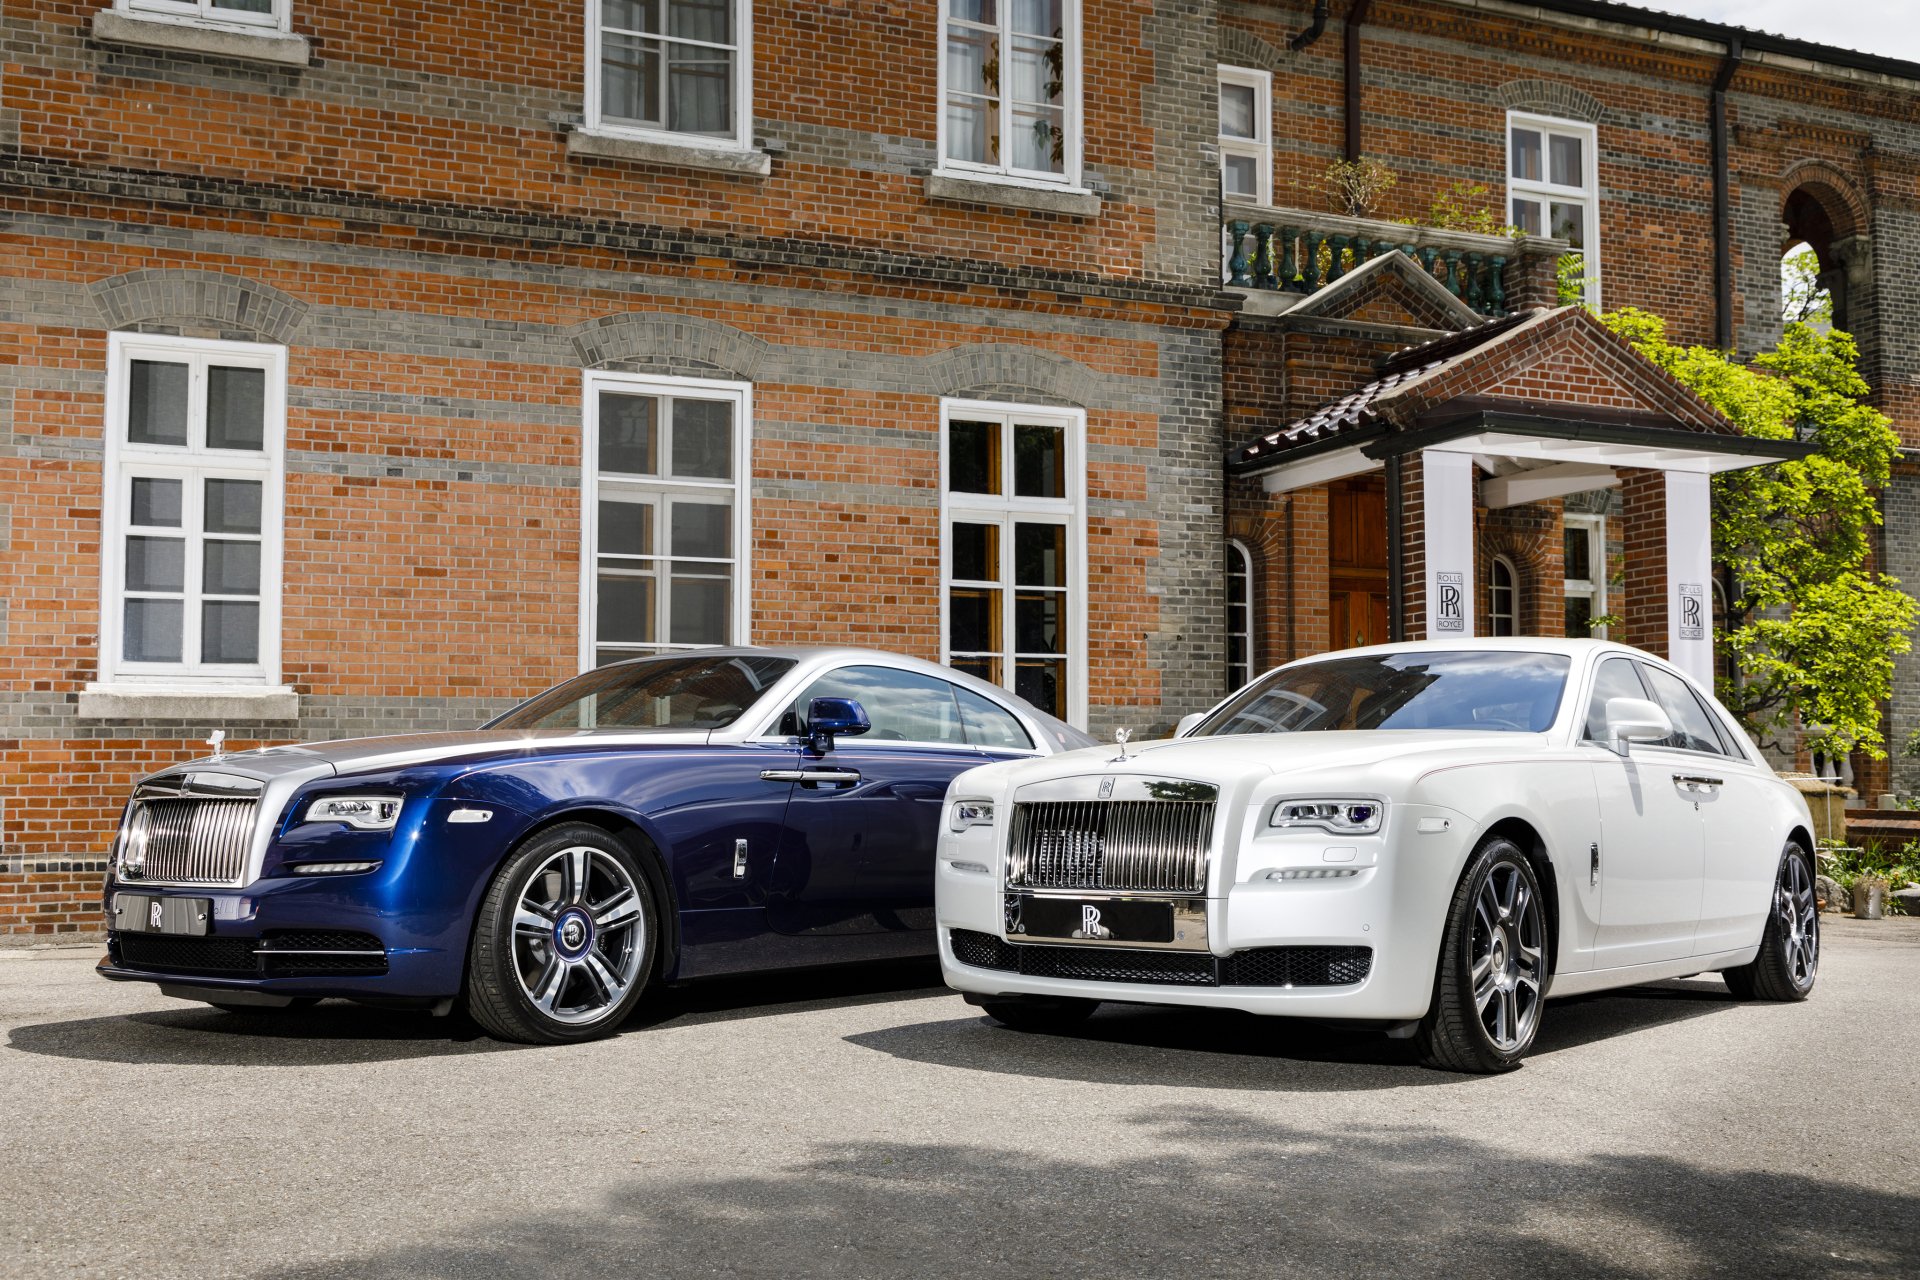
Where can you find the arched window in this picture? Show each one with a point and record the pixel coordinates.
(1503, 599)
(1239, 616)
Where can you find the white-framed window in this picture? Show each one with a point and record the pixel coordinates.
(1239, 616)
(1553, 186)
(671, 70)
(1246, 134)
(1585, 566)
(1013, 550)
(191, 528)
(665, 523)
(1010, 89)
(1503, 598)
(268, 15)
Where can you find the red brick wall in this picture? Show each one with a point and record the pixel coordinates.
(1644, 494)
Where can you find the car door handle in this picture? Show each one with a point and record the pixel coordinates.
(1695, 782)
(837, 777)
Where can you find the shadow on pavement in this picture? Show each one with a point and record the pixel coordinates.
(1205, 1193)
(337, 1031)
(1226, 1049)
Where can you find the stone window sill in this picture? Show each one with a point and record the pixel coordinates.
(1072, 202)
(209, 705)
(597, 145)
(273, 48)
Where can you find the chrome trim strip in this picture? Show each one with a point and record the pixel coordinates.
(1189, 919)
(308, 951)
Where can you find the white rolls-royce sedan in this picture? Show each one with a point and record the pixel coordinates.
(1433, 838)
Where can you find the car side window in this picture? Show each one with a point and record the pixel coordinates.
(902, 706)
(990, 725)
(1616, 678)
(1693, 728)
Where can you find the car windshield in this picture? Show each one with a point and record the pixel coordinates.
(684, 691)
(1500, 691)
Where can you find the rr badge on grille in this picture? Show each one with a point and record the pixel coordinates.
(154, 915)
(1106, 788)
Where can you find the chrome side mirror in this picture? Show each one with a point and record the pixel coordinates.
(828, 718)
(1187, 722)
(1631, 720)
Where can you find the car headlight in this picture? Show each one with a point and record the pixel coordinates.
(1341, 817)
(130, 849)
(971, 813)
(363, 813)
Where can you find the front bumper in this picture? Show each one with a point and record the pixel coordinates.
(1394, 908)
(299, 937)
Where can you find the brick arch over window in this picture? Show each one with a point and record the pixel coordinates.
(1535, 554)
(1837, 194)
(994, 370)
(1821, 206)
(233, 304)
(1550, 98)
(654, 341)
(1239, 48)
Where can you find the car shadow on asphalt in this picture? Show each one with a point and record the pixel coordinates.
(1183, 1191)
(1227, 1049)
(338, 1031)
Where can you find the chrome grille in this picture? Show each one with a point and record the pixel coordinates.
(188, 841)
(1149, 845)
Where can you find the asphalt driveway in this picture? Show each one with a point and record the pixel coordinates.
(871, 1124)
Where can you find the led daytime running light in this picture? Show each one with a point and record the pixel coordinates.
(363, 813)
(1341, 817)
(971, 813)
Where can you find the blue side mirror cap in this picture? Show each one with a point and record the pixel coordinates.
(829, 718)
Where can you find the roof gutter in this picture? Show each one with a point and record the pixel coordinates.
(1723, 34)
(1722, 216)
(1548, 428)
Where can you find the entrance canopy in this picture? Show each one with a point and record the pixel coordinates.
(1523, 410)
(1541, 391)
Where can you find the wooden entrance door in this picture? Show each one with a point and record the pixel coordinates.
(1357, 572)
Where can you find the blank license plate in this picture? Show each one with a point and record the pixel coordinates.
(1087, 919)
(143, 913)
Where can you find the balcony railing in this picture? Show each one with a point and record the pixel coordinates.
(1296, 251)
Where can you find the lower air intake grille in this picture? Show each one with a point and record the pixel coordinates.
(295, 953)
(223, 956)
(1297, 967)
(1258, 967)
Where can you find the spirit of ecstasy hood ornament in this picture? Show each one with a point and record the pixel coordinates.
(218, 743)
(1120, 736)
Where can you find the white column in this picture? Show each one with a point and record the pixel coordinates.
(1446, 492)
(1690, 574)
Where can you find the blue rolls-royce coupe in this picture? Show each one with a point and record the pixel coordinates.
(697, 813)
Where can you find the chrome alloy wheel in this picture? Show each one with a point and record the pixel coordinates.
(1506, 955)
(1799, 921)
(579, 935)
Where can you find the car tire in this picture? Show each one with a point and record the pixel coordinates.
(564, 944)
(1039, 1014)
(1788, 961)
(1490, 982)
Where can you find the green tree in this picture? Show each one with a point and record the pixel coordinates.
(1810, 627)
(1802, 298)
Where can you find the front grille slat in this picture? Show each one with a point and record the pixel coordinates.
(193, 841)
(1255, 967)
(1157, 846)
